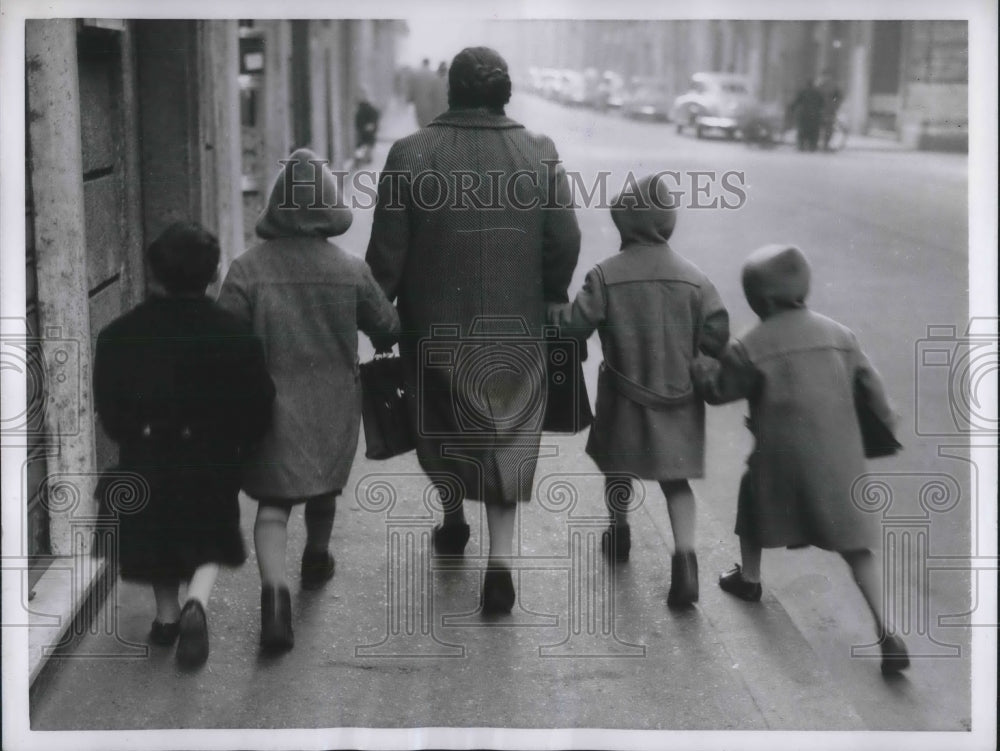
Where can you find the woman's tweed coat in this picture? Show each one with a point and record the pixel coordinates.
(306, 299)
(473, 231)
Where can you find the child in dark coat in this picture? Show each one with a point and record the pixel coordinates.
(804, 376)
(655, 312)
(181, 386)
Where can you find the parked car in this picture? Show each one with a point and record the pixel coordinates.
(611, 91)
(572, 88)
(649, 98)
(715, 101)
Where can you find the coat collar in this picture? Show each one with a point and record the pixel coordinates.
(473, 118)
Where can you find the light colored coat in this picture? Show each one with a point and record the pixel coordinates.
(306, 299)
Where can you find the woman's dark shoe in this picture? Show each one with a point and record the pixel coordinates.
(276, 619)
(317, 569)
(683, 580)
(616, 542)
(894, 655)
(498, 591)
(450, 539)
(192, 646)
(733, 582)
(164, 634)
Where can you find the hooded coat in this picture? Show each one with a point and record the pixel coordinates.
(801, 373)
(306, 299)
(471, 285)
(654, 311)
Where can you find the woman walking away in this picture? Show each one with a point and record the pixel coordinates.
(803, 375)
(654, 311)
(481, 260)
(181, 387)
(306, 299)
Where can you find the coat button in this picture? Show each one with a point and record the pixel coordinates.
(147, 431)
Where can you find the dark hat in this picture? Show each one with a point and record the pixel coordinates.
(304, 201)
(776, 274)
(644, 212)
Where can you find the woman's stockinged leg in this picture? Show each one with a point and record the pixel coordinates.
(868, 576)
(500, 519)
(270, 536)
(319, 515)
(200, 586)
(168, 609)
(681, 509)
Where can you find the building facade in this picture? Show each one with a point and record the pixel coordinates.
(132, 125)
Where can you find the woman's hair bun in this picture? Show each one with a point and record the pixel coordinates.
(478, 77)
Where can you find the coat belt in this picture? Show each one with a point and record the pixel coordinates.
(646, 397)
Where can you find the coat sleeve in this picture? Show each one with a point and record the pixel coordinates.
(727, 379)
(390, 238)
(560, 233)
(235, 294)
(588, 311)
(714, 331)
(108, 387)
(870, 388)
(376, 315)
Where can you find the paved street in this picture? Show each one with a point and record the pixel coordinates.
(395, 641)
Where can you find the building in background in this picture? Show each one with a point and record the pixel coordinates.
(132, 125)
(902, 79)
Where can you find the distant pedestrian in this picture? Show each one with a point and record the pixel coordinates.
(831, 106)
(804, 377)
(654, 311)
(306, 298)
(366, 118)
(807, 108)
(181, 387)
(425, 93)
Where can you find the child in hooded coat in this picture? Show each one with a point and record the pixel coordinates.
(655, 312)
(803, 375)
(306, 299)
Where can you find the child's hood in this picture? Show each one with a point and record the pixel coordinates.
(775, 276)
(304, 201)
(643, 214)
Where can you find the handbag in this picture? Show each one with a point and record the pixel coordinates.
(876, 436)
(384, 413)
(567, 408)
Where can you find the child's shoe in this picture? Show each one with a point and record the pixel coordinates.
(450, 539)
(733, 582)
(163, 634)
(616, 542)
(894, 655)
(276, 619)
(192, 646)
(683, 580)
(317, 569)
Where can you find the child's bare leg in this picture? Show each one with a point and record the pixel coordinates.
(750, 555)
(168, 609)
(868, 577)
(319, 515)
(200, 586)
(270, 537)
(680, 508)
